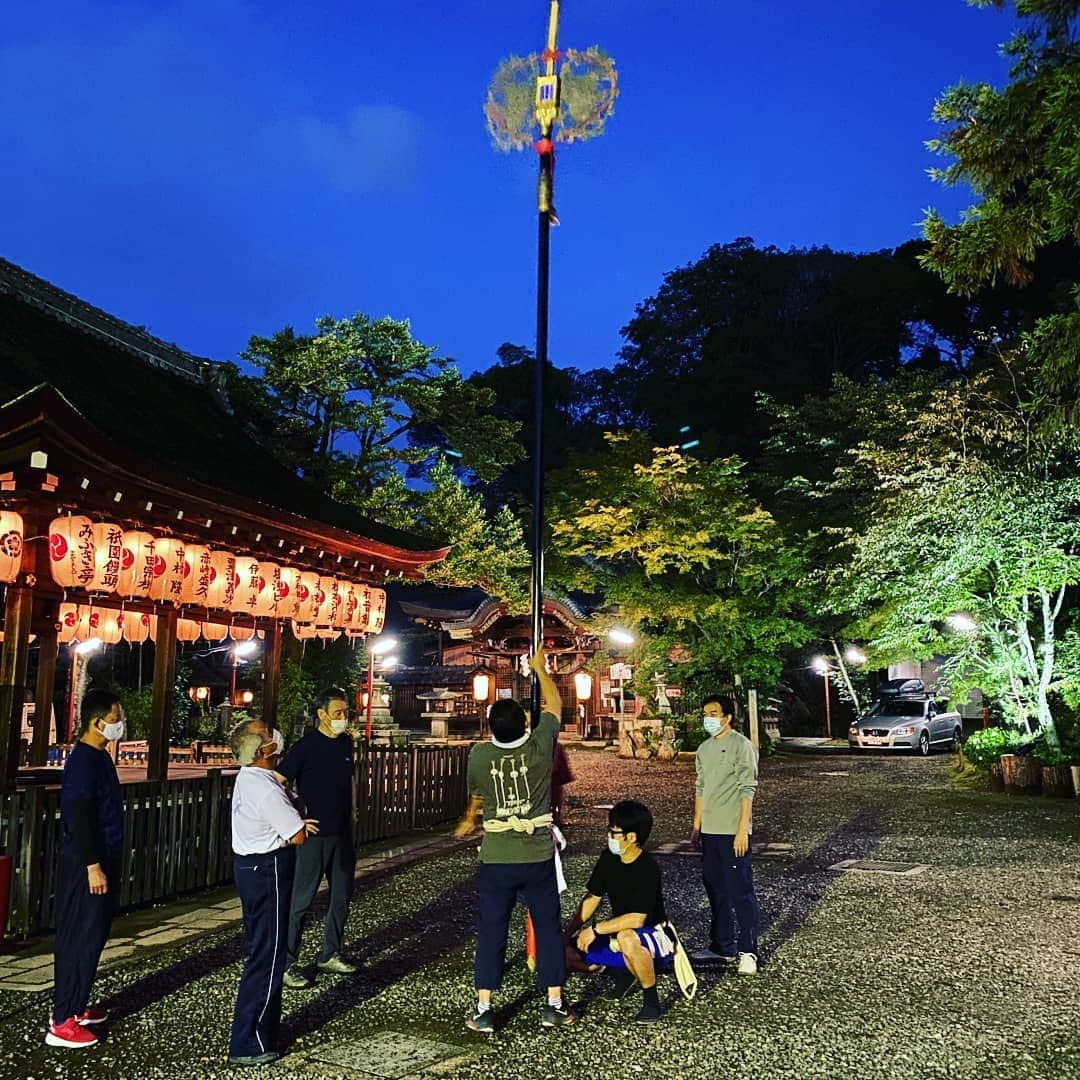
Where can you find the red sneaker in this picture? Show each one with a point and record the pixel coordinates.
(92, 1016)
(70, 1034)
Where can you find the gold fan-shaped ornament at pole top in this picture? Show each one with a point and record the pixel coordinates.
(588, 88)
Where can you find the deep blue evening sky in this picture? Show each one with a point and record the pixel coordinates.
(213, 169)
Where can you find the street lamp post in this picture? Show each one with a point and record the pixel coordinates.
(821, 666)
(376, 648)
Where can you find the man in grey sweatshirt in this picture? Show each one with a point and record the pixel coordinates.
(726, 782)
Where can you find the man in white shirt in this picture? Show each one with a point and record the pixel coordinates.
(266, 829)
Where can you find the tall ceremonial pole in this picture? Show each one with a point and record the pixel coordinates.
(547, 112)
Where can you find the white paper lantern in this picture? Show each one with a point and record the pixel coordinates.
(137, 626)
(241, 633)
(11, 545)
(108, 553)
(71, 551)
(288, 580)
(71, 618)
(109, 626)
(307, 588)
(197, 576)
(215, 631)
(223, 581)
(302, 631)
(187, 630)
(377, 611)
(249, 587)
(168, 584)
(136, 565)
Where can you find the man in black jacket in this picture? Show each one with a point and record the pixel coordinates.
(92, 817)
(321, 765)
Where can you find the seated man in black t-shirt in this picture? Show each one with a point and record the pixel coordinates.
(634, 938)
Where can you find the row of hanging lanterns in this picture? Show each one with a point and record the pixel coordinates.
(104, 558)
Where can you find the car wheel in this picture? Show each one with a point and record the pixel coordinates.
(924, 743)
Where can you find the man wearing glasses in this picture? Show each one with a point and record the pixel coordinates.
(633, 940)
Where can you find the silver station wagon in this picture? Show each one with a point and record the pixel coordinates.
(907, 721)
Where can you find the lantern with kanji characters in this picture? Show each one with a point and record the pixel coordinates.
(302, 631)
(254, 594)
(72, 623)
(351, 595)
(271, 575)
(108, 625)
(168, 583)
(11, 544)
(187, 630)
(138, 626)
(136, 565)
(71, 551)
(377, 612)
(215, 631)
(288, 579)
(307, 588)
(335, 608)
(326, 594)
(223, 581)
(196, 587)
(108, 551)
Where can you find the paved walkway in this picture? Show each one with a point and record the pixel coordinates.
(911, 931)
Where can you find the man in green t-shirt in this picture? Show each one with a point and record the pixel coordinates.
(510, 793)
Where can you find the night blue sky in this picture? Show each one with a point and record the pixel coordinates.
(213, 169)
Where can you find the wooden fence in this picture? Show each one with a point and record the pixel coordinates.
(177, 836)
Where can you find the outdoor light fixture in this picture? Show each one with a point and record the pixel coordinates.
(388, 662)
(820, 665)
(481, 686)
(854, 656)
(583, 685)
(199, 693)
(962, 622)
(245, 648)
(620, 637)
(383, 644)
(85, 648)
(247, 697)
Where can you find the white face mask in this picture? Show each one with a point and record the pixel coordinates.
(614, 846)
(279, 741)
(114, 731)
(338, 726)
(714, 725)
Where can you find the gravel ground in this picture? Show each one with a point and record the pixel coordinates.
(971, 969)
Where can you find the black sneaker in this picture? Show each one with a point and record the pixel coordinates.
(648, 1014)
(622, 984)
(255, 1059)
(295, 979)
(482, 1022)
(553, 1017)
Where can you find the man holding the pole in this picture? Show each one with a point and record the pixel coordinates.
(510, 786)
(88, 884)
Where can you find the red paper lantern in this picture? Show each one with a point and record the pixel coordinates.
(223, 581)
(108, 553)
(11, 545)
(168, 583)
(196, 587)
(136, 565)
(71, 551)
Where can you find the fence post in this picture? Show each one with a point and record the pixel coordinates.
(414, 783)
(213, 854)
(24, 919)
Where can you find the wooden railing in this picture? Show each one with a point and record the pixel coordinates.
(177, 832)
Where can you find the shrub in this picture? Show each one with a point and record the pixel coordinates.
(985, 747)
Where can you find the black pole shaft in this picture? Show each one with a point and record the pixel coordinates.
(543, 268)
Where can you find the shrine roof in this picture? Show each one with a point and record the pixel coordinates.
(155, 402)
(462, 624)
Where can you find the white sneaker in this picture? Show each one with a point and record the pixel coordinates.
(747, 963)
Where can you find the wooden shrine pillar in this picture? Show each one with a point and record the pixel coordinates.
(157, 751)
(271, 674)
(14, 653)
(43, 695)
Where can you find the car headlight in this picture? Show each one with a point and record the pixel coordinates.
(904, 731)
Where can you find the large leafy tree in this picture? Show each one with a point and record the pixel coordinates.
(967, 503)
(347, 405)
(1018, 149)
(685, 553)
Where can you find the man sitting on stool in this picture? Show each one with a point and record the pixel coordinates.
(266, 829)
(633, 940)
